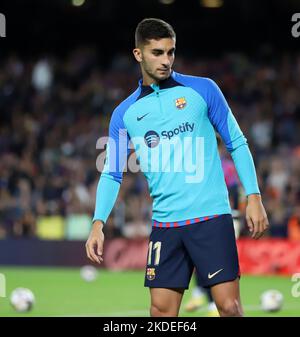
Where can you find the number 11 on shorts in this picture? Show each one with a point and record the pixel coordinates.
(157, 248)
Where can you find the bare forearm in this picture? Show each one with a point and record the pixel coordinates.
(255, 197)
(98, 225)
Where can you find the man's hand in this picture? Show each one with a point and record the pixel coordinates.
(256, 216)
(94, 244)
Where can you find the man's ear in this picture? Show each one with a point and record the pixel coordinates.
(137, 54)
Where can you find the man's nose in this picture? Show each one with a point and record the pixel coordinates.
(166, 61)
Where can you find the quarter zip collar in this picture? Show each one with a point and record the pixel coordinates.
(165, 84)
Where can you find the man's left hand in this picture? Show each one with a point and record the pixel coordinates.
(256, 216)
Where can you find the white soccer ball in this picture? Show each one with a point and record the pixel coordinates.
(271, 300)
(88, 273)
(22, 299)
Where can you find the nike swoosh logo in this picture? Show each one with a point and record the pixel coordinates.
(140, 118)
(214, 274)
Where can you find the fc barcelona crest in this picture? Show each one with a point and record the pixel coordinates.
(180, 103)
(150, 274)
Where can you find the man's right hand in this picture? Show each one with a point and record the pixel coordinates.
(94, 244)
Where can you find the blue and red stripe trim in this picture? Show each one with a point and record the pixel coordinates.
(158, 224)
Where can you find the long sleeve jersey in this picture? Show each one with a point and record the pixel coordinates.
(171, 126)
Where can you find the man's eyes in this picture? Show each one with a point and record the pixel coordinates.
(161, 53)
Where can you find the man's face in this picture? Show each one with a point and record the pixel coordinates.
(157, 58)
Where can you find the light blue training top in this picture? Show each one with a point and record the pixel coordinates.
(172, 129)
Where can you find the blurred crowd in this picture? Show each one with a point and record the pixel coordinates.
(53, 110)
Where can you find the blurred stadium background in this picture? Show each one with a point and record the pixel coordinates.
(64, 66)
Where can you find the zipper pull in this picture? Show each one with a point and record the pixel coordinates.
(155, 87)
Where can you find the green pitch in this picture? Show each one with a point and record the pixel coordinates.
(62, 292)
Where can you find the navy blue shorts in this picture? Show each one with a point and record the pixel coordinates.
(208, 246)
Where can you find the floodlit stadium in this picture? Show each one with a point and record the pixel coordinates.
(64, 68)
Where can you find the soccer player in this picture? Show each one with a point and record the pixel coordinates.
(171, 120)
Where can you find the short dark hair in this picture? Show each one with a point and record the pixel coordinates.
(152, 28)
